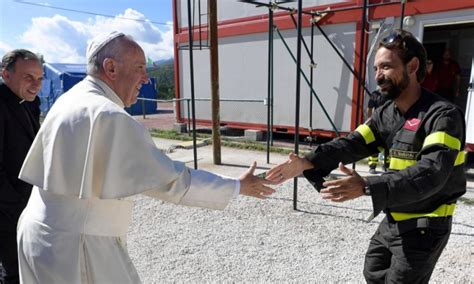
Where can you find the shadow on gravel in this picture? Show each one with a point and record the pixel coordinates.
(332, 215)
(462, 224)
(322, 204)
(326, 205)
(462, 234)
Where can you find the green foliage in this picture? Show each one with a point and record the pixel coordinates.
(226, 142)
(170, 134)
(164, 75)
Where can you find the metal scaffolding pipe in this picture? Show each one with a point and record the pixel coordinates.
(340, 55)
(361, 61)
(318, 13)
(311, 68)
(297, 104)
(270, 84)
(302, 39)
(307, 81)
(191, 73)
(402, 14)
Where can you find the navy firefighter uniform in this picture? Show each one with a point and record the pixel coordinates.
(419, 192)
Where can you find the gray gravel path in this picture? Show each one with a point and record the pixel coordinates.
(267, 241)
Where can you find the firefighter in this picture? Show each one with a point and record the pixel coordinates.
(425, 136)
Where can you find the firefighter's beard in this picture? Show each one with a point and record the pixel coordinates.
(392, 90)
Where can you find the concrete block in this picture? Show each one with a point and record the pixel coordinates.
(180, 127)
(254, 135)
(227, 131)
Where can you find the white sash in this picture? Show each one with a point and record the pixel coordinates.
(91, 216)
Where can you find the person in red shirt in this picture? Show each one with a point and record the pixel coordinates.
(448, 72)
(431, 79)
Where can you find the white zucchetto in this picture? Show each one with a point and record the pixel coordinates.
(99, 42)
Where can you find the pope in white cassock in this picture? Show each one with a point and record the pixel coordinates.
(87, 158)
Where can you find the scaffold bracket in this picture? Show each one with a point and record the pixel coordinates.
(318, 15)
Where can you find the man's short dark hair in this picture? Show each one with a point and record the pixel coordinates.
(10, 58)
(407, 47)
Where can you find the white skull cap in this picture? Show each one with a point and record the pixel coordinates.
(99, 42)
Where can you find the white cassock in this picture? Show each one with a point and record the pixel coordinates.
(88, 157)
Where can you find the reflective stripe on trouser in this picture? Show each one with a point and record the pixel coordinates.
(444, 210)
(373, 160)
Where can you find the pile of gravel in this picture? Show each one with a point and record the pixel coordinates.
(267, 241)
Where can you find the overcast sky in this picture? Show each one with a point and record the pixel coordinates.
(50, 28)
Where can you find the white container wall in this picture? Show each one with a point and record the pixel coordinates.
(243, 68)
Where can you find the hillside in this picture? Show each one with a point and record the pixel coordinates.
(163, 72)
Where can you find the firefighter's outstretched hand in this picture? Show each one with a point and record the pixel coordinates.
(291, 168)
(344, 189)
(255, 186)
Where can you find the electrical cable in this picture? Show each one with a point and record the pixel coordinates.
(88, 13)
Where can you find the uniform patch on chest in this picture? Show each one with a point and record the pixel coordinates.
(412, 124)
(401, 154)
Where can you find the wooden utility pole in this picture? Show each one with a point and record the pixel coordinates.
(214, 62)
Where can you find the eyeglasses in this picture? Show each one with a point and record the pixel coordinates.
(393, 38)
(400, 41)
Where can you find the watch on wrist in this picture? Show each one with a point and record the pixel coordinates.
(367, 190)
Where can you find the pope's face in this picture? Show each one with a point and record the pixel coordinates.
(25, 78)
(390, 73)
(131, 74)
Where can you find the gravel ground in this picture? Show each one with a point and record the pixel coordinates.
(267, 241)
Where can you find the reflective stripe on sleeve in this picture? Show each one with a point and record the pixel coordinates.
(366, 133)
(400, 164)
(444, 139)
(442, 211)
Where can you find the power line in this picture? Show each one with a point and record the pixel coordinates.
(88, 13)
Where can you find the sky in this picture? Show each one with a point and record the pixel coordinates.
(62, 35)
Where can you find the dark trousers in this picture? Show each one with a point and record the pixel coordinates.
(8, 247)
(405, 252)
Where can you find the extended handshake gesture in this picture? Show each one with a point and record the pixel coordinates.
(89, 155)
(255, 186)
(339, 190)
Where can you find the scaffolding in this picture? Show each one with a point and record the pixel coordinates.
(316, 17)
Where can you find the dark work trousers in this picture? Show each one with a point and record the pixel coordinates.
(8, 247)
(406, 257)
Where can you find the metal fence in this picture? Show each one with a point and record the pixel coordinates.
(253, 110)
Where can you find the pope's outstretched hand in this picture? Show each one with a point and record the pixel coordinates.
(254, 186)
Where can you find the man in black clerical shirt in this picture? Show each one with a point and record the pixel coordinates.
(22, 74)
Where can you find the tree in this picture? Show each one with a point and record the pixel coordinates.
(163, 72)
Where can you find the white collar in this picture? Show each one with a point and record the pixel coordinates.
(106, 90)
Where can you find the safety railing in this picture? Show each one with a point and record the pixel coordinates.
(258, 107)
